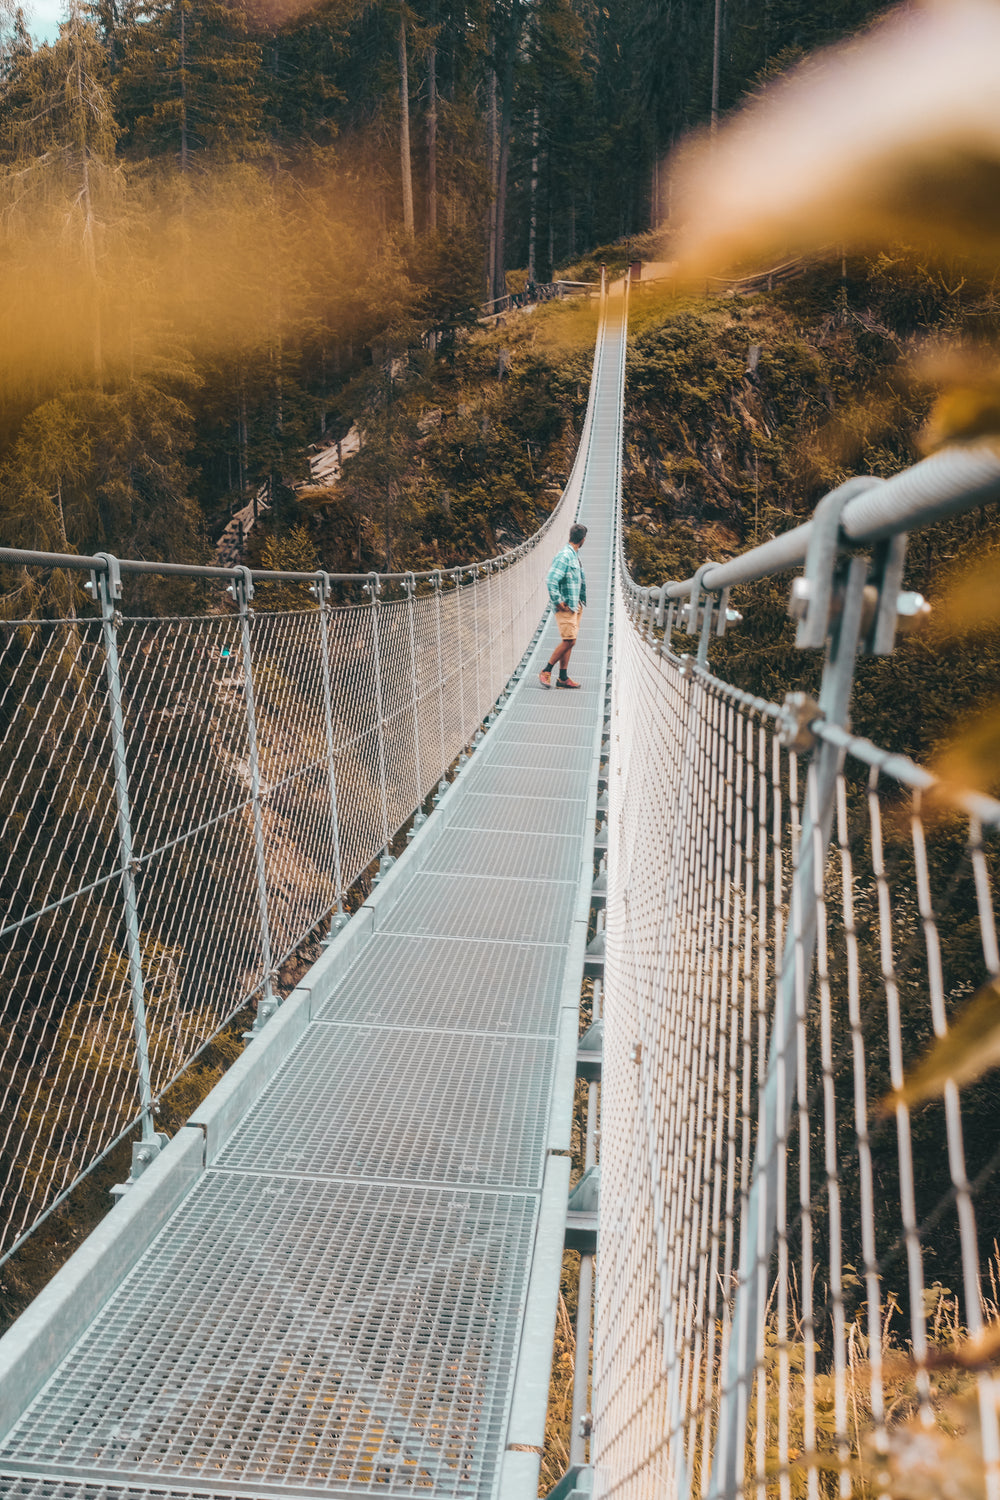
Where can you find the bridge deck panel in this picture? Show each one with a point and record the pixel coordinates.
(322, 1333)
(468, 1108)
(463, 851)
(481, 906)
(468, 985)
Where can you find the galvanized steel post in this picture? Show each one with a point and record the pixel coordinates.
(436, 582)
(457, 575)
(410, 584)
(374, 588)
(106, 587)
(321, 588)
(241, 590)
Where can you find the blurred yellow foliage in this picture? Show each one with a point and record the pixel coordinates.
(969, 1048)
(894, 136)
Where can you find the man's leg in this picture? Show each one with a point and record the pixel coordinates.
(545, 675)
(564, 677)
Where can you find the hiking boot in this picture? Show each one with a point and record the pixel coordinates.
(566, 682)
(545, 678)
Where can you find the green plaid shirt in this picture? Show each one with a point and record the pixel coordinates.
(565, 580)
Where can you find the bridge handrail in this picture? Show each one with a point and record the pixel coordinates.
(786, 928)
(82, 563)
(946, 484)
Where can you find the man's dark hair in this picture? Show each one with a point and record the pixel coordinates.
(577, 533)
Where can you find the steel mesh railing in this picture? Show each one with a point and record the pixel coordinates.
(787, 1255)
(185, 799)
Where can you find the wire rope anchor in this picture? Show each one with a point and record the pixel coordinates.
(338, 922)
(419, 819)
(144, 1153)
(385, 864)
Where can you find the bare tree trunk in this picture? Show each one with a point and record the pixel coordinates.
(716, 44)
(491, 171)
(533, 206)
(503, 161)
(432, 125)
(404, 132)
(86, 198)
(552, 219)
(183, 77)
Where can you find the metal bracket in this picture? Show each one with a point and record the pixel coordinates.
(692, 614)
(410, 585)
(144, 1153)
(582, 1212)
(321, 589)
(267, 1006)
(373, 586)
(813, 597)
(338, 922)
(105, 587)
(798, 714)
(241, 588)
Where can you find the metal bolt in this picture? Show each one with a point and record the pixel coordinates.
(798, 602)
(636, 1053)
(798, 713)
(911, 609)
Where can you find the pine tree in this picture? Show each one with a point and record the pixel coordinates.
(61, 200)
(185, 86)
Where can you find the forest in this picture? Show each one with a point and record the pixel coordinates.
(231, 228)
(231, 233)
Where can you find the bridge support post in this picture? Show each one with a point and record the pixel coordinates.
(410, 584)
(241, 590)
(105, 587)
(374, 588)
(436, 584)
(321, 588)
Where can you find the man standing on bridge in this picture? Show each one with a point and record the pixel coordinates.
(568, 592)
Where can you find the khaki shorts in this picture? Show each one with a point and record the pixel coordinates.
(568, 621)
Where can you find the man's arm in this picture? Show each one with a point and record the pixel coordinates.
(554, 580)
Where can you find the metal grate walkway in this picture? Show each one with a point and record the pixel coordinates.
(352, 1289)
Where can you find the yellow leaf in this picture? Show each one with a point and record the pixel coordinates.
(970, 1353)
(969, 1049)
(891, 137)
(963, 415)
(971, 600)
(971, 760)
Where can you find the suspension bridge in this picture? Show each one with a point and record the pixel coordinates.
(340, 1276)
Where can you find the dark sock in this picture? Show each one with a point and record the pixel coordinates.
(563, 674)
